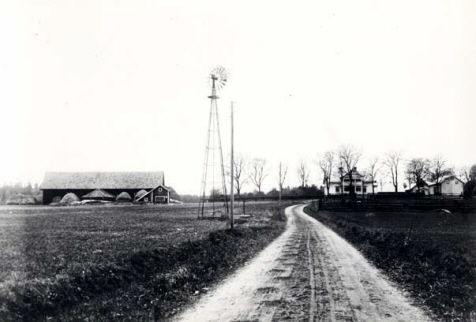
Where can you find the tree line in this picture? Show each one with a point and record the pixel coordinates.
(334, 164)
(253, 172)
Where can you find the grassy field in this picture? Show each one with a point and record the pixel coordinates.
(432, 255)
(122, 263)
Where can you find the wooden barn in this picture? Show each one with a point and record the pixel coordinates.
(111, 184)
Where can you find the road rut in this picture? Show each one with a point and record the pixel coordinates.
(309, 273)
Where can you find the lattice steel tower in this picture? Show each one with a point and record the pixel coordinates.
(213, 177)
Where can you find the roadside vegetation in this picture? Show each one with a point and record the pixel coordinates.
(432, 255)
(121, 263)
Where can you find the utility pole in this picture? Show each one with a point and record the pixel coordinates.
(280, 180)
(232, 197)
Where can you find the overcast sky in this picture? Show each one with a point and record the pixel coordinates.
(122, 85)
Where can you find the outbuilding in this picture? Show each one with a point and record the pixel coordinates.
(58, 184)
(449, 186)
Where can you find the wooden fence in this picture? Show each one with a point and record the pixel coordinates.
(419, 204)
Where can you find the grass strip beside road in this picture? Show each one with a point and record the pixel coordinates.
(431, 255)
(148, 284)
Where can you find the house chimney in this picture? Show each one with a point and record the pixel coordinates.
(354, 169)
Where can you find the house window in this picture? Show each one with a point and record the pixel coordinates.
(337, 189)
(160, 189)
(358, 188)
(456, 182)
(346, 188)
(365, 189)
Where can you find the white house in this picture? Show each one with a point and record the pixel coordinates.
(449, 186)
(359, 184)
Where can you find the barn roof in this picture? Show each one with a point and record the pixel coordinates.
(102, 180)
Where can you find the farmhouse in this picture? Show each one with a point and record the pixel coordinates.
(106, 186)
(359, 184)
(449, 186)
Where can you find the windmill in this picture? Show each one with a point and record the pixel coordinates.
(213, 177)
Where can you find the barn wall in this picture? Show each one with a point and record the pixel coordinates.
(49, 194)
(161, 192)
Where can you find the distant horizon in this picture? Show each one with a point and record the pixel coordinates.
(387, 185)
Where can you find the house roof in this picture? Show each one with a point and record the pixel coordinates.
(102, 180)
(424, 186)
(446, 179)
(415, 187)
(364, 181)
(355, 174)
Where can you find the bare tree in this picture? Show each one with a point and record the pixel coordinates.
(418, 170)
(408, 177)
(463, 174)
(303, 173)
(283, 171)
(258, 172)
(392, 161)
(326, 163)
(472, 172)
(374, 168)
(438, 170)
(466, 174)
(350, 156)
(239, 173)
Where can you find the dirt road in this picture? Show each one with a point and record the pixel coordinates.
(308, 274)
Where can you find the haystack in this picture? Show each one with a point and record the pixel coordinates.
(56, 199)
(99, 195)
(140, 193)
(69, 198)
(124, 196)
(174, 195)
(21, 200)
(14, 200)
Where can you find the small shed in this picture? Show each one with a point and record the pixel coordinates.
(160, 194)
(449, 186)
